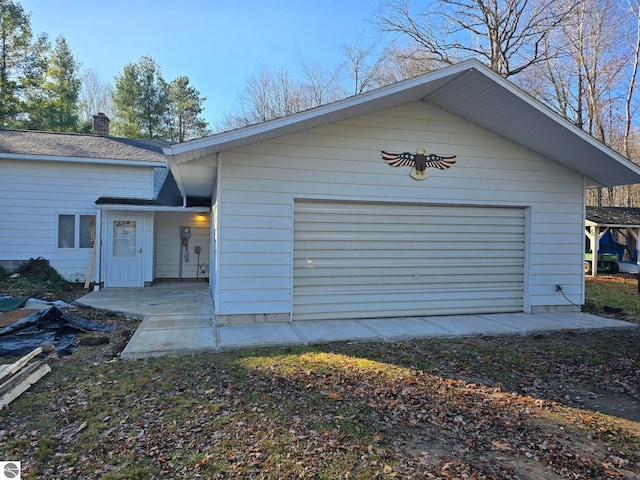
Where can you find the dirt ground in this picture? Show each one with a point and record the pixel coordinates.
(7, 318)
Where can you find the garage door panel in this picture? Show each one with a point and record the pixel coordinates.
(385, 293)
(329, 208)
(415, 296)
(394, 282)
(355, 244)
(431, 274)
(413, 224)
(364, 260)
(410, 275)
(370, 306)
(404, 224)
(461, 254)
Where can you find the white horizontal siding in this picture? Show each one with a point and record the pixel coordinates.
(33, 194)
(168, 247)
(343, 161)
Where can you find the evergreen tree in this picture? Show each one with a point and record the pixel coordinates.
(22, 61)
(125, 103)
(54, 106)
(185, 110)
(140, 100)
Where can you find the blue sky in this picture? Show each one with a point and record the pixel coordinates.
(218, 44)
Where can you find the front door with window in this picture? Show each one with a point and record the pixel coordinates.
(124, 253)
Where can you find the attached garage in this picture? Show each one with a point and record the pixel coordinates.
(372, 260)
(319, 215)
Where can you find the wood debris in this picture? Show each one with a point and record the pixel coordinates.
(17, 377)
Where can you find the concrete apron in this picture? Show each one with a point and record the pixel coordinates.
(178, 319)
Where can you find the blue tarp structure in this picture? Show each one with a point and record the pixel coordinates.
(609, 245)
(52, 325)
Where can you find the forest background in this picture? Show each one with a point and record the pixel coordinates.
(578, 57)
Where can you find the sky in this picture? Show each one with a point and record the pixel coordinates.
(218, 44)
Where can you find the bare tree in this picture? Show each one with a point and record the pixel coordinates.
(363, 69)
(591, 80)
(634, 8)
(508, 34)
(268, 96)
(323, 85)
(95, 97)
(632, 192)
(401, 63)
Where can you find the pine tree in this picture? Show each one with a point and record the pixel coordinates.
(140, 100)
(22, 61)
(54, 106)
(125, 103)
(185, 109)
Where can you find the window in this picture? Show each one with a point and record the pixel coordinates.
(76, 231)
(87, 231)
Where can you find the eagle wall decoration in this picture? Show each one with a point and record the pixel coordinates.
(420, 161)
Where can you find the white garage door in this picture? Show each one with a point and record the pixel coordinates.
(374, 260)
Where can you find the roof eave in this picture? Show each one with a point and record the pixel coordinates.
(390, 95)
(101, 161)
(469, 90)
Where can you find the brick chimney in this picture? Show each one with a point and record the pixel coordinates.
(101, 125)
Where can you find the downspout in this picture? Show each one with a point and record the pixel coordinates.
(215, 235)
(98, 260)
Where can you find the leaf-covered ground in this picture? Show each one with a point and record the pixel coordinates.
(562, 405)
(494, 407)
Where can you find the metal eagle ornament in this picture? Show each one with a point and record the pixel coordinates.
(420, 161)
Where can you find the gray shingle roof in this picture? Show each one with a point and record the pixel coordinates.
(22, 142)
(628, 216)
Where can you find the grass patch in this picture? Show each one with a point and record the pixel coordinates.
(541, 406)
(618, 291)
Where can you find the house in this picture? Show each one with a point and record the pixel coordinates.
(449, 193)
(617, 230)
(309, 221)
(61, 192)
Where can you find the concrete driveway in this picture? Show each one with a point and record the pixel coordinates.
(178, 319)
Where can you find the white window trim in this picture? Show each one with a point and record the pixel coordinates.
(76, 231)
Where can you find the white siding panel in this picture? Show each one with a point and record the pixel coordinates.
(405, 259)
(343, 162)
(33, 194)
(168, 247)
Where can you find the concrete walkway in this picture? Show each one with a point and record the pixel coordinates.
(178, 320)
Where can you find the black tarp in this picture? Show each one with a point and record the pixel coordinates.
(52, 325)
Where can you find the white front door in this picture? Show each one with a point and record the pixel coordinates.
(124, 251)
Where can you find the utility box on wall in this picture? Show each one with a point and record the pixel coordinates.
(173, 232)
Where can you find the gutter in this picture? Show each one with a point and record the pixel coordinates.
(98, 161)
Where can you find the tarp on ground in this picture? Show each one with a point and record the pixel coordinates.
(52, 325)
(9, 303)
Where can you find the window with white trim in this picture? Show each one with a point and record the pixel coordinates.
(76, 231)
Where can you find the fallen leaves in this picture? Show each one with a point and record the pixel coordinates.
(406, 410)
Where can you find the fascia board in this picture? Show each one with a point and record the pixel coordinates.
(97, 161)
(347, 106)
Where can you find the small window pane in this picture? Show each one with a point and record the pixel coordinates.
(87, 230)
(124, 238)
(66, 231)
